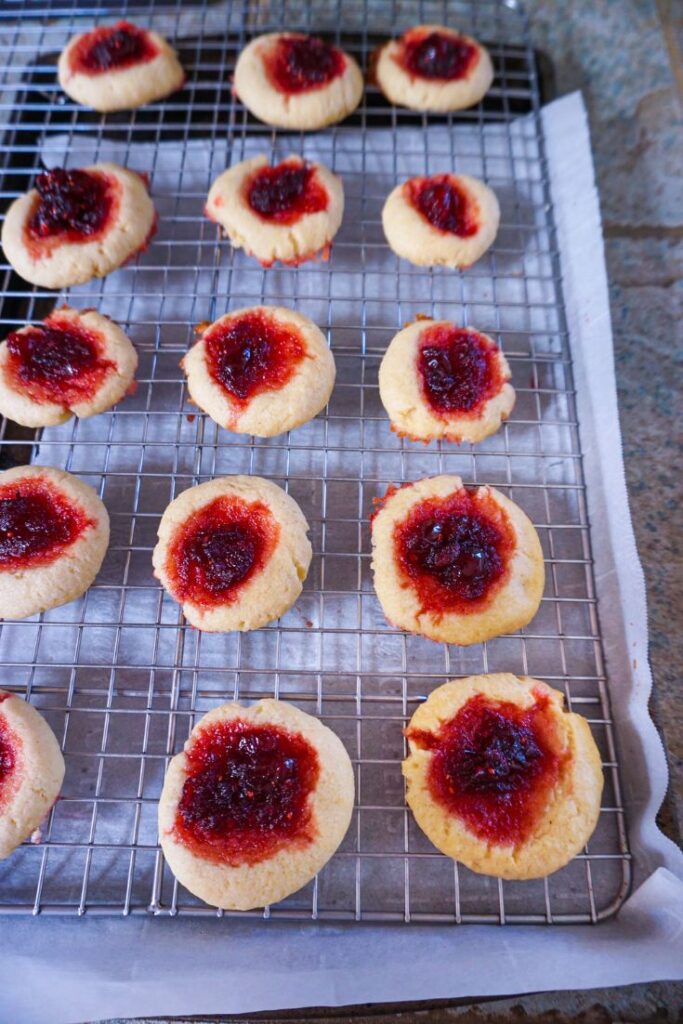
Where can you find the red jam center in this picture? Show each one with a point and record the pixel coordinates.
(444, 204)
(436, 55)
(37, 523)
(247, 792)
(57, 361)
(300, 63)
(112, 48)
(493, 766)
(251, 354)
(74, 205)
(8, 760)
(219, 549)
(286, 192)
(458, 370)
(455, 551)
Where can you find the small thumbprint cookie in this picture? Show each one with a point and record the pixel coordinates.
(455, 564)
(255, 805)
(433, 68)
(72, 364)
(233, 552)
(290, 212)
(445, 220)
(438, 380)
(80, 224)
(31, 771)
(118, 67)
(260, 371)
(297, 81)
(501, 778)
(54, 533)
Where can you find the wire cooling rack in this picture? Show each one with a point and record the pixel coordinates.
(118, 674)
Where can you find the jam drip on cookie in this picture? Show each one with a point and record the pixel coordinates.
(286, 192)
(8, 760)
(112, 48)
(455, 551)
(72, 205)
(298, 64)
(37, 524)
(56, 361)
(251, 354)
(493, 765)
(458, 370)
(444, 203)
(436, 55)
(247, 792)
(219, 549)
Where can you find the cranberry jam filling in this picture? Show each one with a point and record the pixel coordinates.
(247, 792)
(458, 370)
(444, 203)
(218, 550)
(286, 192)
(436, 55)
(493, 766)
(251, 354)
(8, 760)
(455, 551)
(37, 523)
(300, 63)
(112, 48)
(74, 205)
(57, 361)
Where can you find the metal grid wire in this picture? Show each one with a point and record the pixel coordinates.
(118, 674)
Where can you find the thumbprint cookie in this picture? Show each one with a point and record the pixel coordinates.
(31, 771)
(255, 805)
(456, 564)
(501, 778)
(433, 68)
(54, 533)
(445, 220)
(289, 212)
(261, 371)
(74, 363)
(233, 552)
(292, 80)
(80, 224)
(438, 380)
(119, 67)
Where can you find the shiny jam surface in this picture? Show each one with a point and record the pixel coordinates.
(112, 48)
(71, 205)
(37, 523)
(247, 792)
(57, 361)
(455, 551)
(442, 202)
(493, 765)
(286, 192)
(251, 354)
(458, 369)
(300, 63)
(8, 760)
(436, 55)
(219, 548)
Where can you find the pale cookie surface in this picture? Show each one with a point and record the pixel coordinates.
(482, 802)
(445, 220)
(271, 870)
(458, 565)
(433, 68)
(233, 552)
(63, 257)
(75, 363)
(295, 81)
(31, 771)
(437, 380)
(119, 67)
(278, 233)
(262, 370)
(54, 534)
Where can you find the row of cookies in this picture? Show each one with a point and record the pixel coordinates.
(286, 79)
